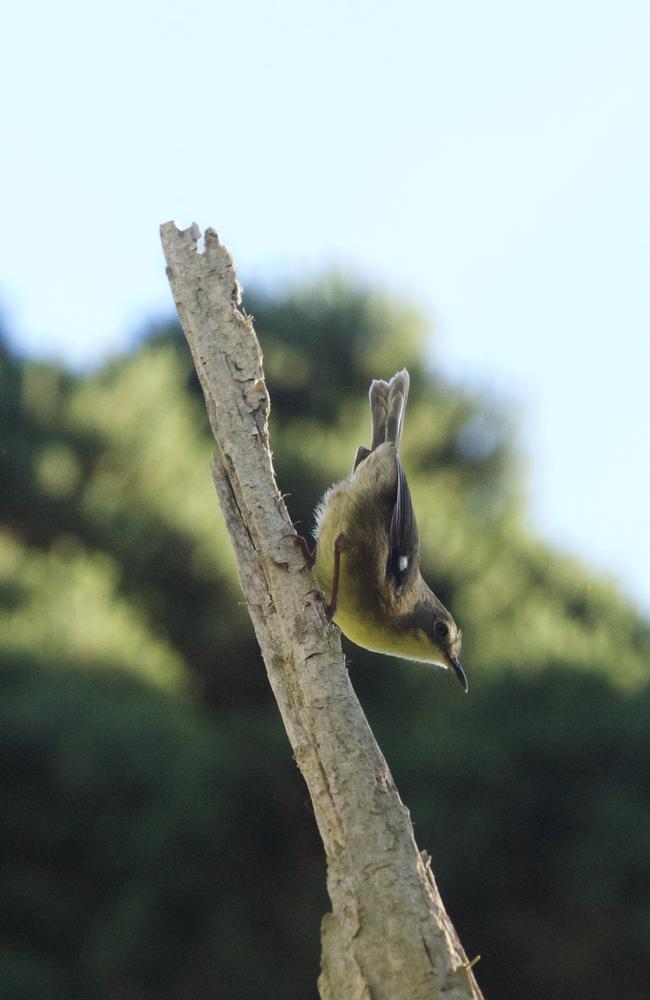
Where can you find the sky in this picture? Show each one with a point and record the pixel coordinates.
(491, 162)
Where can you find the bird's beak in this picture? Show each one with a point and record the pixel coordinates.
(460, 673)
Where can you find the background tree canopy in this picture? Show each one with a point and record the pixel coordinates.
(157, 839)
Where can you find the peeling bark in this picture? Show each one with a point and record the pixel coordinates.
(388, 936)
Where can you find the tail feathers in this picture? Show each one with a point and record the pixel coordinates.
(387, 407)
(378, 411)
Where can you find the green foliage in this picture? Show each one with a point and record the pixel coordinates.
(131, 862)
(531, 797)
(157, 839)
(64, 604)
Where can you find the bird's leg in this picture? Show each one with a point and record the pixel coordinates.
(301, 543)
(339, 545)
(330, 609)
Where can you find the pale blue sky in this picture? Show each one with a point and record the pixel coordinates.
(490, 160)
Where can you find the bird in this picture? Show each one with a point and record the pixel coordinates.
(367, 554)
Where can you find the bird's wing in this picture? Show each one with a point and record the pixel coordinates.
(404, 544)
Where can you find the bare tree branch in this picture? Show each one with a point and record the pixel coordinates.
(388, 936)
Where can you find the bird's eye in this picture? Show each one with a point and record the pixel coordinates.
(441, 630)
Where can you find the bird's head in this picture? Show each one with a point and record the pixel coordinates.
(439, 638)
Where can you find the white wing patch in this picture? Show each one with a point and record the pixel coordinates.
(402, 563)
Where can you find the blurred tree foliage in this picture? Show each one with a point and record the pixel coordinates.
(157, 841)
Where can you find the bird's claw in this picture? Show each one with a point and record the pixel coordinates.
(301, 543)
(318, 595)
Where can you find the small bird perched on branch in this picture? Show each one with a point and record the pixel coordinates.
(368, 551)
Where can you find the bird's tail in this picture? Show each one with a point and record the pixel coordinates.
(387, 408)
